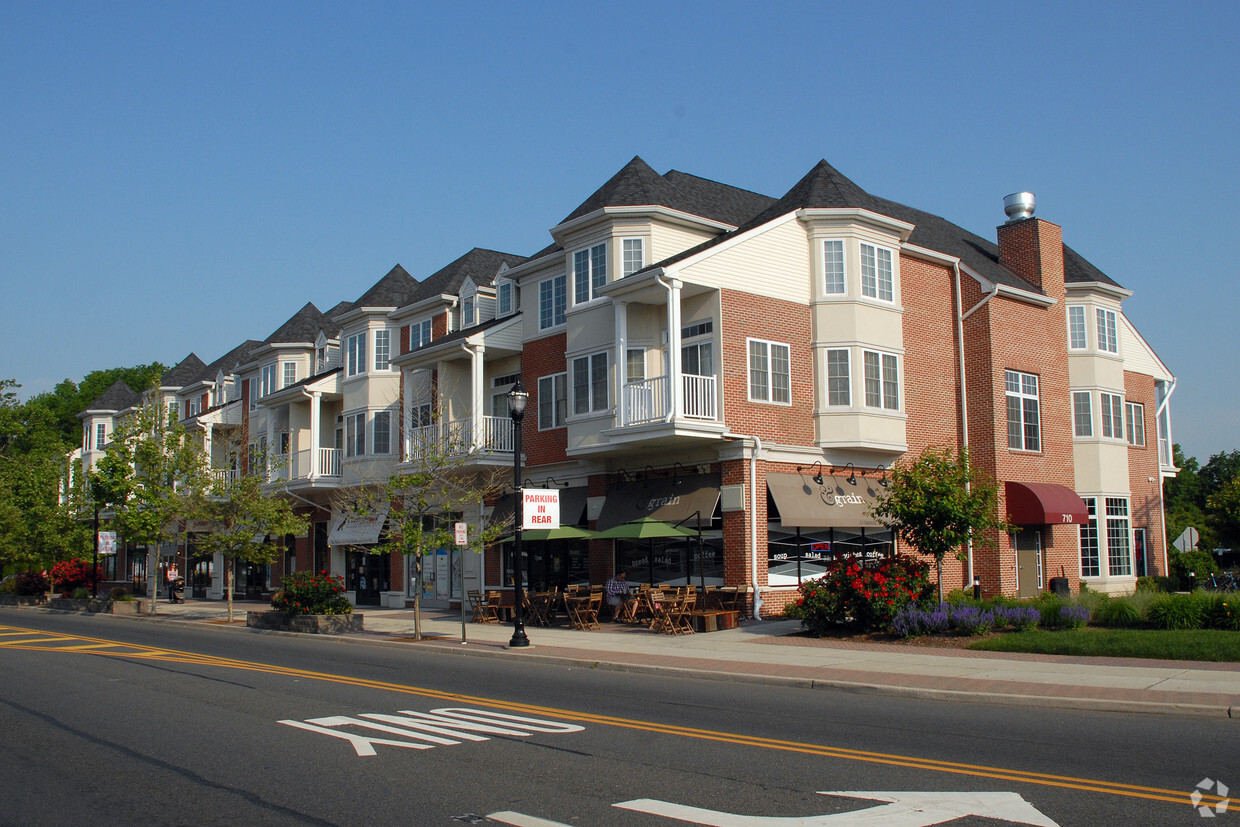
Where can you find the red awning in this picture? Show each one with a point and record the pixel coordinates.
(1044, 503)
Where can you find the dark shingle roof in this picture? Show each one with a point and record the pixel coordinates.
(303, 326)
(1076, 268)
(396, 289)
(229, 362)
(116, 398)
(339, 310)
(722, 202)
(186, 371)
(478, 264)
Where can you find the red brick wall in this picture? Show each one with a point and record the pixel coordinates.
(1146, 504)
(542, 358)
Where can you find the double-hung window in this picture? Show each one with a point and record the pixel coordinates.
(419, 334)
(1076, 327)
(633, 252)
(355, 354)
(590, 383)
(101, 436)
(833, 265)
(697, 357)
(589, 272)
(290, 374)
(468, 312)
(1091, 565)
(355, 435)
(503, 298)
(1023, 421)
(876, 273)
(383, 432)
(86, 439)
(1112, 416)
(193, 407)
(635, 364)
(882, 380)
(1119, 547)
(1108, 340)
(267, 377)
(552, 299)
(1134, 419)
(383, 349)
(839, 380)
(1082, 413)
(770, 372)
(253, 393)
(552, 401)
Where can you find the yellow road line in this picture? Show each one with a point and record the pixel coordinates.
(906, 761)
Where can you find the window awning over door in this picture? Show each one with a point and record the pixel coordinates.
(1043, 503)
(803, 503)
(355, 529)
(671, 500)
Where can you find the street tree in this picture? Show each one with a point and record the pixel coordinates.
(441, 481)
(241, 511)
(150, 473)
(938, 503)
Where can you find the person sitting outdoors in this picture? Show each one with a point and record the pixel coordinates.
(617, 589)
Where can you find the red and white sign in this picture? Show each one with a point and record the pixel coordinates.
(462, 534)
(540, 508)
(107, 542)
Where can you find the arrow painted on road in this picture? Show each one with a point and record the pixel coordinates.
(903, 809)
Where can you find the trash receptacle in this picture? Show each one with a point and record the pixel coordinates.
(1059, 585)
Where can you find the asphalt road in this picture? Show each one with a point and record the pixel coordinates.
(109, 720)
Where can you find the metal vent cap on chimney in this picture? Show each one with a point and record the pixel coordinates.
(1019, 205)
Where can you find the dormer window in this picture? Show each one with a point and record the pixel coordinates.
(589, 272)
(504, 298)
(468, 312)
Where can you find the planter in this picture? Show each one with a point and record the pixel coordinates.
(115, 607)
(22, 599)
(309, 624)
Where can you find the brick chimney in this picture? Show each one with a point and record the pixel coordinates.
(1030, 247)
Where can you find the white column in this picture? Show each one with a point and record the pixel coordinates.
(316, 429)
(677, 388)
(622, 361)
(478, 385)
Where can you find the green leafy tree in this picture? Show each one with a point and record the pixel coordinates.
(423, 502)
(241, 511)
(150, 473)
(938, 502)
(1225, 509)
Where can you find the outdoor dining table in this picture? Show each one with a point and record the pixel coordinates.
(582, 609)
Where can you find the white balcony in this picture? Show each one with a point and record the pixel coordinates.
(458, 437)
(224, 476)
(650, 400)
(297, 467)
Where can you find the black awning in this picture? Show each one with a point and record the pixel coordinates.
(672, 500)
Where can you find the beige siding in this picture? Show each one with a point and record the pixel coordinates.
(774, 262)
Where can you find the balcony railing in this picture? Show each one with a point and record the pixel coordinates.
(650, 400)
(457, 437)
(224, 475)
(297, 465)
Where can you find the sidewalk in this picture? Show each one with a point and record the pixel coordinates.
(763, 652)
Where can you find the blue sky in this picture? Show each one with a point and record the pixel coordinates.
(182, 176)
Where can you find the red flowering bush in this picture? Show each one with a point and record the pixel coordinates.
(864, 595)
(29, 583)
(71, 574)
(307, 593)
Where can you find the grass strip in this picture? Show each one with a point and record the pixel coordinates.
(1194, 644)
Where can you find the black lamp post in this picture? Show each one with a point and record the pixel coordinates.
(94, 578)
(517, 397)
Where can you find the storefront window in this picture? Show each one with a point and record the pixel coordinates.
(550, 563)
(794, 557)
(679, 561)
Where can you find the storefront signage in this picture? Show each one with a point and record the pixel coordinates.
(540, 508)
(107, 542)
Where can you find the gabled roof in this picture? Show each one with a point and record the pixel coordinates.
(1077, 269)
(186, 371)
(396, 289)
(230, 361)
(119, 397)
(478, 264)
(303, 326)
(339, 310)
(722, 202)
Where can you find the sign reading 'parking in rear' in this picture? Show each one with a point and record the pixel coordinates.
(444, 727)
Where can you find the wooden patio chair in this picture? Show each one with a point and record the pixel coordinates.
(484, 612)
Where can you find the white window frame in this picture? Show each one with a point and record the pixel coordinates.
(88, 437)
(288, 374)
(1021, 395)
(1111, 413)
(1108, 337)
(355, 434)
(101, 436)
(419, 334)
(193, 407)
(593, 395)
(839, 383)
(1082, 413)
(1090, 557)
(386, 418)
(253, 393)
(1119, 537)
(633, 256)
(835, 277)
(589, 271)
(267, 379)
(552, 401)
(469, 311)
(767, 381)
(877, 273)
(552, 301)
(882, 380)
(635, 364)
(355, 354)
(1134, 423)
(383, 349)
(505, 293)
(1078, 336)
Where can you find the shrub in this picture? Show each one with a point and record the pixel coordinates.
(307, 593)
(1220, 610)
(9, 584)
(1048, 606)
(1120, 612)
(119, 593)
(972, 620)
(1073, 617)
(1157, 584)
(71, 574)
(81, 593)
(30, 583)
(913, 622)
(865, 595)
(1019, 618)
(1175, 611)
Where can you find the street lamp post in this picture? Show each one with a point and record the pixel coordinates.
(517, 398)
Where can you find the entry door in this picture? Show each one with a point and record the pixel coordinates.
(1028, 562)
